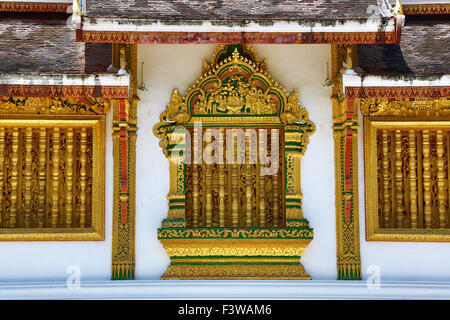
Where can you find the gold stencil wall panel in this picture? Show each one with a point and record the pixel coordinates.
(50, 172)
(407, 170)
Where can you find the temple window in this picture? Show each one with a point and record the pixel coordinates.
(234, 142)
(52, 169)
(407, 163)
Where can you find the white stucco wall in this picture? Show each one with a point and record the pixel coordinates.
(48, 261)
(167, 67)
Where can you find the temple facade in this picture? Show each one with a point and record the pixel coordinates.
(145, 141)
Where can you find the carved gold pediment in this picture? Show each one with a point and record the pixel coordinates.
(234, 88)
(237, 84)
(405, 107)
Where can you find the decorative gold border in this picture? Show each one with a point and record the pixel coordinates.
(124, 153)
(426, 8)
(373, 232)
(97, 231)
(398, 92)
(345, 133)
(28, 6)
(135, 37)
(73, 91)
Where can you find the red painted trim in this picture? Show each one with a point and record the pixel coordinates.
(397, 92)
(23, 6)
(348, 170)
(239, 37)
(123, 161)
(116, 92)
(123, 212)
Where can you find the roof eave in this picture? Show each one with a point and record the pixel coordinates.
(371, 30)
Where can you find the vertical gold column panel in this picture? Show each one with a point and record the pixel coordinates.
(426, 177)
(196, 179)
(386, 179)
(399, 178)
(14, 178)
(234, 190)
(345, 121)
(124, 123)
(262, 200)
(2, 178)
(83, 178)
(69, 178)
(276, 195)
(294, 189)
(42, 175)
(413, 178)
(208, 191)
(55, 177)
(221, 184)
(27, 194)
(248, 185)
(441, 180)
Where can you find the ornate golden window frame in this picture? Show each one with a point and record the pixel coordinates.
(250, 252)
(390, 115)
(63, 113)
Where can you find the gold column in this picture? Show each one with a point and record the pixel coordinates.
(2, 160)
(55, 178)
(221, 184)
(42, 175)
(248, 185)
(234, 187)
(196, 178)
(262, 200)
(399, 178)
(426, 177)
(27, 195)
(83, 147)
(441, 181)
(69, 177)
(276, 213)
(413, 178)
(208, 191)
(386, 198)
(14, 177)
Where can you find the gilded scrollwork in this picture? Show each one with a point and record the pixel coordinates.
(375, 107)
(235, 272)
(294, 233)
(236, 86)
